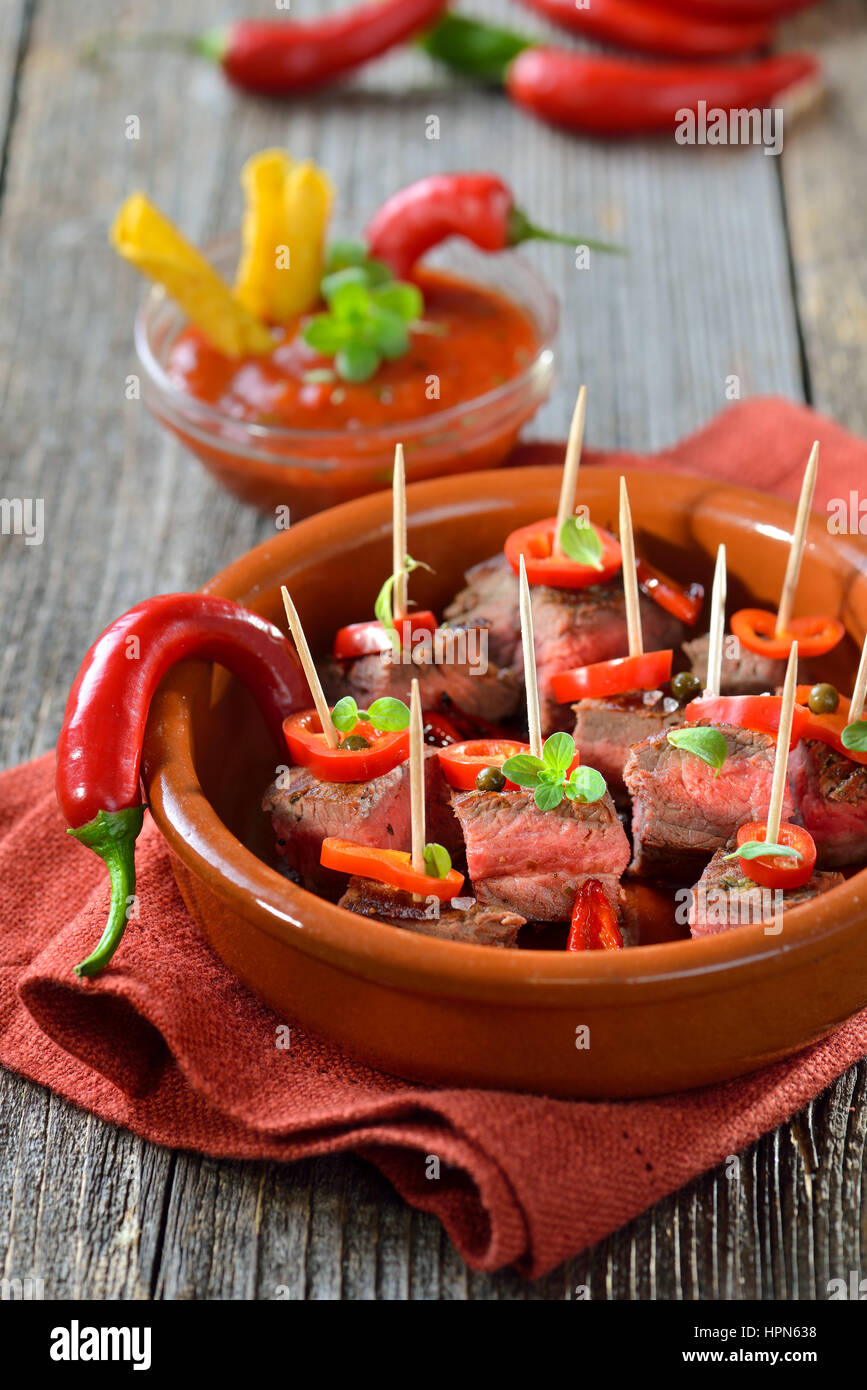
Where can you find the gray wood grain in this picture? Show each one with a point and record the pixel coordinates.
(706, 292)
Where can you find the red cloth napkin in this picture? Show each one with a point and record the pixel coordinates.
(169, 1044)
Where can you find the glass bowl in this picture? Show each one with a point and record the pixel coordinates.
(307, 469)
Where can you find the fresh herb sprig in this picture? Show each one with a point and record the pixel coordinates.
(386, 714)
(549, 776)
(705, 742)
(368, 316)
(580, 541)
(854, 736)
(757, 849)
(383, 608)
(437, 861)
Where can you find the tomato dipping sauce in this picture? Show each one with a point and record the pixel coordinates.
(473, 340)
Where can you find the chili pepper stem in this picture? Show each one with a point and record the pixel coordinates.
(520, 228)
(112, 835)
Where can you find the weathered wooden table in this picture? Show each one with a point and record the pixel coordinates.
(741, 265)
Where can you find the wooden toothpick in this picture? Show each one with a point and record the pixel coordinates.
(716, 636)
(796, 554)
(310, 671)
(398, 541)
(416, 778)
(856, 706)
(570, 467)
(784, 736)
(630, 575)
(528, 644)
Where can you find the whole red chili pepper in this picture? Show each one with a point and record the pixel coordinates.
(278, 57)
(594, 924)
(609, 96)
(100, 744)
(641, 25)
(480, 207)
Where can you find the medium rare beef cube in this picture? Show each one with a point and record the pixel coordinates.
(747, 674)
(605, 730)
(533, 862)
(831, 792)
(453, 667)
(490, 601)
(463, 919)
(723, 898)
(683, 811)
(576, 627)
(307, 810)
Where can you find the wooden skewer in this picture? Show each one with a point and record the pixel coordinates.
(569, 484)
(856, 707)
(416, 778)
(716, 636)
(310, 671)
(784, 736)
(796, 554)
(630, 575)
(528, 644)
(398, 541)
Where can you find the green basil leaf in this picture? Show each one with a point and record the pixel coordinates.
(707, 743)
(558, 751)
(331, 286)
(390, 336)
(586, 784)
(437, 861)
(350, 299)
(755, 849)
(524, 769)
(547, 797)
(357, 361)
(389, 715)
(854, 736)
(580, 541)
(378, 273)
(401, 299)
(552, 775)
(325, 334)
(344, 252)
(344, 716)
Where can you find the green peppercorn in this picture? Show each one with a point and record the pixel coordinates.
(490, 779)
(353, 742)
(823, 699)
(685, 686)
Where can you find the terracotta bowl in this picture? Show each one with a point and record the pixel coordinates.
(662, 1016)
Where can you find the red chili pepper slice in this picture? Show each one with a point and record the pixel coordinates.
(462, 762)
(536, 544)
(310, 748)
(827, 728)
(757, 629)
(367, 638)
(647, 29)
(684, 602)
(390, 866)
(777, 870)
(594, 922)
(100, 743)
(650, 671)
(758, 712)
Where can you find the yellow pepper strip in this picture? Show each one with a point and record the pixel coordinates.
(287, 209)
(145, 238)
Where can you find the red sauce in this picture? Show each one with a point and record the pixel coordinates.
(479, 341)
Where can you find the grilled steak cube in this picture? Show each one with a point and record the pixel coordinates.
(605, 730)
(490, 601)
(533, 862)
(682, 812)
(576, 627)
(463, 919)
(831, 792)
(376, 813)
(746, 674)
(451, 667)
(723, 898)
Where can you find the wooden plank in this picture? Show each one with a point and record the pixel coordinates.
(704, 294)
(826, 204)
